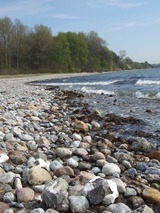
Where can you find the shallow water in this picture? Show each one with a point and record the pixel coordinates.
(127, 93)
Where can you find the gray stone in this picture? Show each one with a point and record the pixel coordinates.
(8, 177)
(126, 164)
(16, 131)
(9, 211)
(63, 152)
(25, 137)
(9, 137)
(141, 145)
(142, 166)
(55, 195)
(78, 203)
(52, 138)
(132, 172)
(111, 159)
(72, 163)
(38, 210)
(55, 165)
(110, 169)
(130, 192)
(119, 208)
(8, 197)
(152, 170)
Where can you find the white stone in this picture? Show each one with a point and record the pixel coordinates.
(76, 136)
(3, 157)
(72, 163)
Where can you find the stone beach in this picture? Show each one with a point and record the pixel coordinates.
(58, 155)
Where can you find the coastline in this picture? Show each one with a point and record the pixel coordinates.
(44, 124)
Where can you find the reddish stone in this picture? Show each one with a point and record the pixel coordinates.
(65, 170)
(25, 194)
(154, 155)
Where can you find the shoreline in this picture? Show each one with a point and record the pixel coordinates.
(41, 125)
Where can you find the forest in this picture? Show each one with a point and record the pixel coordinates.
(37, 50)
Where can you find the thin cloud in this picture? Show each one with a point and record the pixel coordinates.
(63, 16)
(124, 4)
(25, 8)
(134, 24)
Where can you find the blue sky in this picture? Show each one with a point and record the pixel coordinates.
(130, 25)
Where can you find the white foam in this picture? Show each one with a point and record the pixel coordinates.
(82, 83)
(147, 95)
(89, 90)
(147, 82)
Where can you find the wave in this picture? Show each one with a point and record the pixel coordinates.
(89, 90)
(147, 95)
(82, 83)
(147, 82)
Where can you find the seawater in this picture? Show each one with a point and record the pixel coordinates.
(133, 93)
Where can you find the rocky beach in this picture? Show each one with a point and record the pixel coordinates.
(58, 155)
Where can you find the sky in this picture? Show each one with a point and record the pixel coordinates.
(130, 25)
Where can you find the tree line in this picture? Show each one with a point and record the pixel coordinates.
(26, 50)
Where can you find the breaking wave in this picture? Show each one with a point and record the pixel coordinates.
(89, 90)
(147, 82)
(147, 95)
(83, 83)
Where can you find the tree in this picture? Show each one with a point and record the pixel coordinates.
(19, 45)
(40, 41)
(122, 54)
(62, 54)
(6, 30)
(78, 49)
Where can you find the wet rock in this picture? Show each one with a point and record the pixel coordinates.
(110, 169)
(65, 170)
(151, 194)
(56, 195)
(78, 203)
(24, 195)
(119, 207)
(141, 145)
(38, 175)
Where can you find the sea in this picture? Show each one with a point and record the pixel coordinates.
(134, 93)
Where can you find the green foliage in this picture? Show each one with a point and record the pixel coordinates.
(25, 50)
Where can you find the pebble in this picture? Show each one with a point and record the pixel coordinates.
(56, 153)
